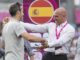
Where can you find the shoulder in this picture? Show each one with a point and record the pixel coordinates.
(16, 23)
(70, 27)
(51, 24)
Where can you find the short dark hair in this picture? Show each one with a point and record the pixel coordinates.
(14, 8)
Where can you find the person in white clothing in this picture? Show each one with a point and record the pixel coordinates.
(13, 33)
(60, 35)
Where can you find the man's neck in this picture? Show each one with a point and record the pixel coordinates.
(16, 18)
(59, 23)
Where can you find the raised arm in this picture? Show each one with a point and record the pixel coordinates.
(35, 28)
(21, 32)
(32, 38)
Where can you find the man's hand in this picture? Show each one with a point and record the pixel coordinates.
(44, 45)
(6, 20)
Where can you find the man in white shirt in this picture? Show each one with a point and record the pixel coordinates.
(60, 35)
(13, 32)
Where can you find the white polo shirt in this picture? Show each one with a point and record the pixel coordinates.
(14, 45)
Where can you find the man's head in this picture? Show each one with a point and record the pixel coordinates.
(60, 15)
(16, 10)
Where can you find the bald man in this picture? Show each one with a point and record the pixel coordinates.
(60, 35)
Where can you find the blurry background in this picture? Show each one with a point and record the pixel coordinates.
(72, 6)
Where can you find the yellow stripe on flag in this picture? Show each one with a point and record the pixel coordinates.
(41, 11)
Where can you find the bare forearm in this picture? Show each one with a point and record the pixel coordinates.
(32, 38)
(35, 39)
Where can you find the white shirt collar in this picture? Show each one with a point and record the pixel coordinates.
(61, 25)
(13, 19)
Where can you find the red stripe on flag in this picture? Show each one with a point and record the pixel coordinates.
(40, 20)
(41, 3)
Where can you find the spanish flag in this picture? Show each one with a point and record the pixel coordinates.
(41, 11)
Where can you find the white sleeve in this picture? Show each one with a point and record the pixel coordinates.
(35, 28)
(19, 29)
(66, 37)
